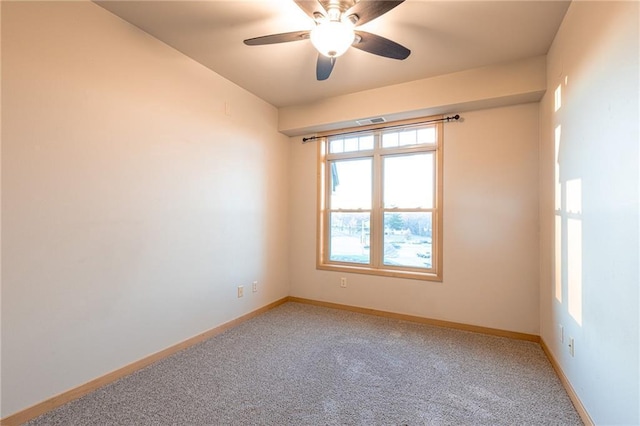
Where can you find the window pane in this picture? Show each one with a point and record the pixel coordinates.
(427, 135)
(408, 137)
(390, 140)
(366, 142)
(336, 146)
(349, 237)
(409, 181)
(350, 144)
(351, 184)
(408, 239)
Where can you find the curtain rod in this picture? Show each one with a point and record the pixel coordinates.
(447, 119)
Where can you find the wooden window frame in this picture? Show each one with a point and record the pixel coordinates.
(376, 266)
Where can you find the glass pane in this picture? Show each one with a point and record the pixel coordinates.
(408, 239)
(366, 142)
(409, 181)
(349, 237)
(408, 137)
(390, 140)
(350, 144)
(336, 146)
(351, 184)
(427, 135)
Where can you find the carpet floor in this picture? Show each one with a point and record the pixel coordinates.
(306, 365)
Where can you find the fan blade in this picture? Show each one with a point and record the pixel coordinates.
(278, 38)
(311, 7)
(368, 10)
(324, 67)
(380, 46)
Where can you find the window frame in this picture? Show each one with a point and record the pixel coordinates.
(376, 264)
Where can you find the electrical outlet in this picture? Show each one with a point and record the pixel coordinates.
(255, 286)
(240, 291)
(572, 347)
(343, 282)
(561, 334)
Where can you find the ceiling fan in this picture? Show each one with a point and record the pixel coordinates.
(334, 31)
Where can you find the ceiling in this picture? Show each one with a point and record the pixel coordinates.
(443, 36)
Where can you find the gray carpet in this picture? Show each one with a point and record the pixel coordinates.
(306, 365)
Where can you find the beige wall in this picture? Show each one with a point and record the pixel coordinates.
(594, 59)
(132, 206)
(490, 229)
(492, 86)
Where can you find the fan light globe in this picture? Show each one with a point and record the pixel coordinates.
(332, 38)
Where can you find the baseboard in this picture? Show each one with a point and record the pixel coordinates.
(54, 402)
(422, 320)
(582, 412)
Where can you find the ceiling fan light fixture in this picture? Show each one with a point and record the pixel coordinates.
(332, 38)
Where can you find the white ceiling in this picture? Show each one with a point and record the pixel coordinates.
(443, 36)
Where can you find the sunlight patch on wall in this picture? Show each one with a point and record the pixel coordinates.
(558, 224)
(574, 196)
(558, 98)
(558, 188)
(574, 249)
(558, 259)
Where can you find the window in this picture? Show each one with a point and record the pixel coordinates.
(380, 201)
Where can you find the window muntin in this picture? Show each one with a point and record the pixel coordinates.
(380, 202)
(351, 143)
(408, 137)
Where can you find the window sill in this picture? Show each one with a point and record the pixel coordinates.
(394, 273)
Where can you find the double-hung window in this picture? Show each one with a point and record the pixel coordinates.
(380, 201)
